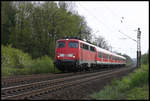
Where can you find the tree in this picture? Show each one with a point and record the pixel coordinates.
(33, 27)
(144, 58)
(129, 61)
(101, 42)
(8, 13)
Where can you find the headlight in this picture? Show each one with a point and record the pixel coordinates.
(70, 55)
(61, 55)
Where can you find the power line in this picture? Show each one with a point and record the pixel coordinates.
(127, 36)
(117, 15)
(97, 19)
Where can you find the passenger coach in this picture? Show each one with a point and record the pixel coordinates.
(73, 54)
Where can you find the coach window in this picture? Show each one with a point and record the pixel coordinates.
(85, 47)
(112, 57)
(92, 49)
(73, 44)
(60, 44)
(81, 45)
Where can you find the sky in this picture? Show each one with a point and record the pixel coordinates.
(106, 18)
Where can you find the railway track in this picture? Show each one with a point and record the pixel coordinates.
(19, 80)
(26, 79)
(37, 89)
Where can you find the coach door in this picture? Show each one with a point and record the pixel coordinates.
(101, 56)
(81, 50)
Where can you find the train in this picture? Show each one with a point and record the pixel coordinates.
(74, 54)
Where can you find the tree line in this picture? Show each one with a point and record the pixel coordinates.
(34, 27)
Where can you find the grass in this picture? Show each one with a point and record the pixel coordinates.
(135, 86)
(40, 66)
(139, 93)
(16, 62)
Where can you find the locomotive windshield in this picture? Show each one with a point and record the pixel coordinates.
(73, 44)
(60, 44)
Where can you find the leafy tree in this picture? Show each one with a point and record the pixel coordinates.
(129, 61)
(33, 26)
(101, 42)
(144, 58)
(8, 12)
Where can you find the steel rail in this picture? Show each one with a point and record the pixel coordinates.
(58, 86)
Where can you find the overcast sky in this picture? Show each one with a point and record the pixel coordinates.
(104, 18)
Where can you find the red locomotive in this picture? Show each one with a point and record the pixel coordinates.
(73, 54)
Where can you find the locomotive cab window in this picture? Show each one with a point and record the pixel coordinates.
(73, 44)
(60, 44)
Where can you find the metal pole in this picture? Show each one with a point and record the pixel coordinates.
(54, 50)
(138, 48)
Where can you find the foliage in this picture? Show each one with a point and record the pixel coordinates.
(12, 57)
(124, 89)
(138, 93)
(144, 58)
(43, 65)
(39, 66)
(8, 12)
(129, 61)
(34, 27)
(15, 62)
(101, 42)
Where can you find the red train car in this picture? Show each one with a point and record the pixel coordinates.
(79, 55)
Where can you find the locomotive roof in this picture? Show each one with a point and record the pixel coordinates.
(97, 48)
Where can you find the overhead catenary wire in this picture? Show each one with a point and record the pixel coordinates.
(127, 36)
(116, 15)
(105, 26)
(101, 22)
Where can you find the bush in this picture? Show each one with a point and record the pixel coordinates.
(12, 57)
(145, 58)
(137, 93)
(120, 89)
(43, 65)
(140, 76)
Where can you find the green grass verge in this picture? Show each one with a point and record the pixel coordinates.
(16, 62)
(40, 66)
(138, 93)
(133, 86)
